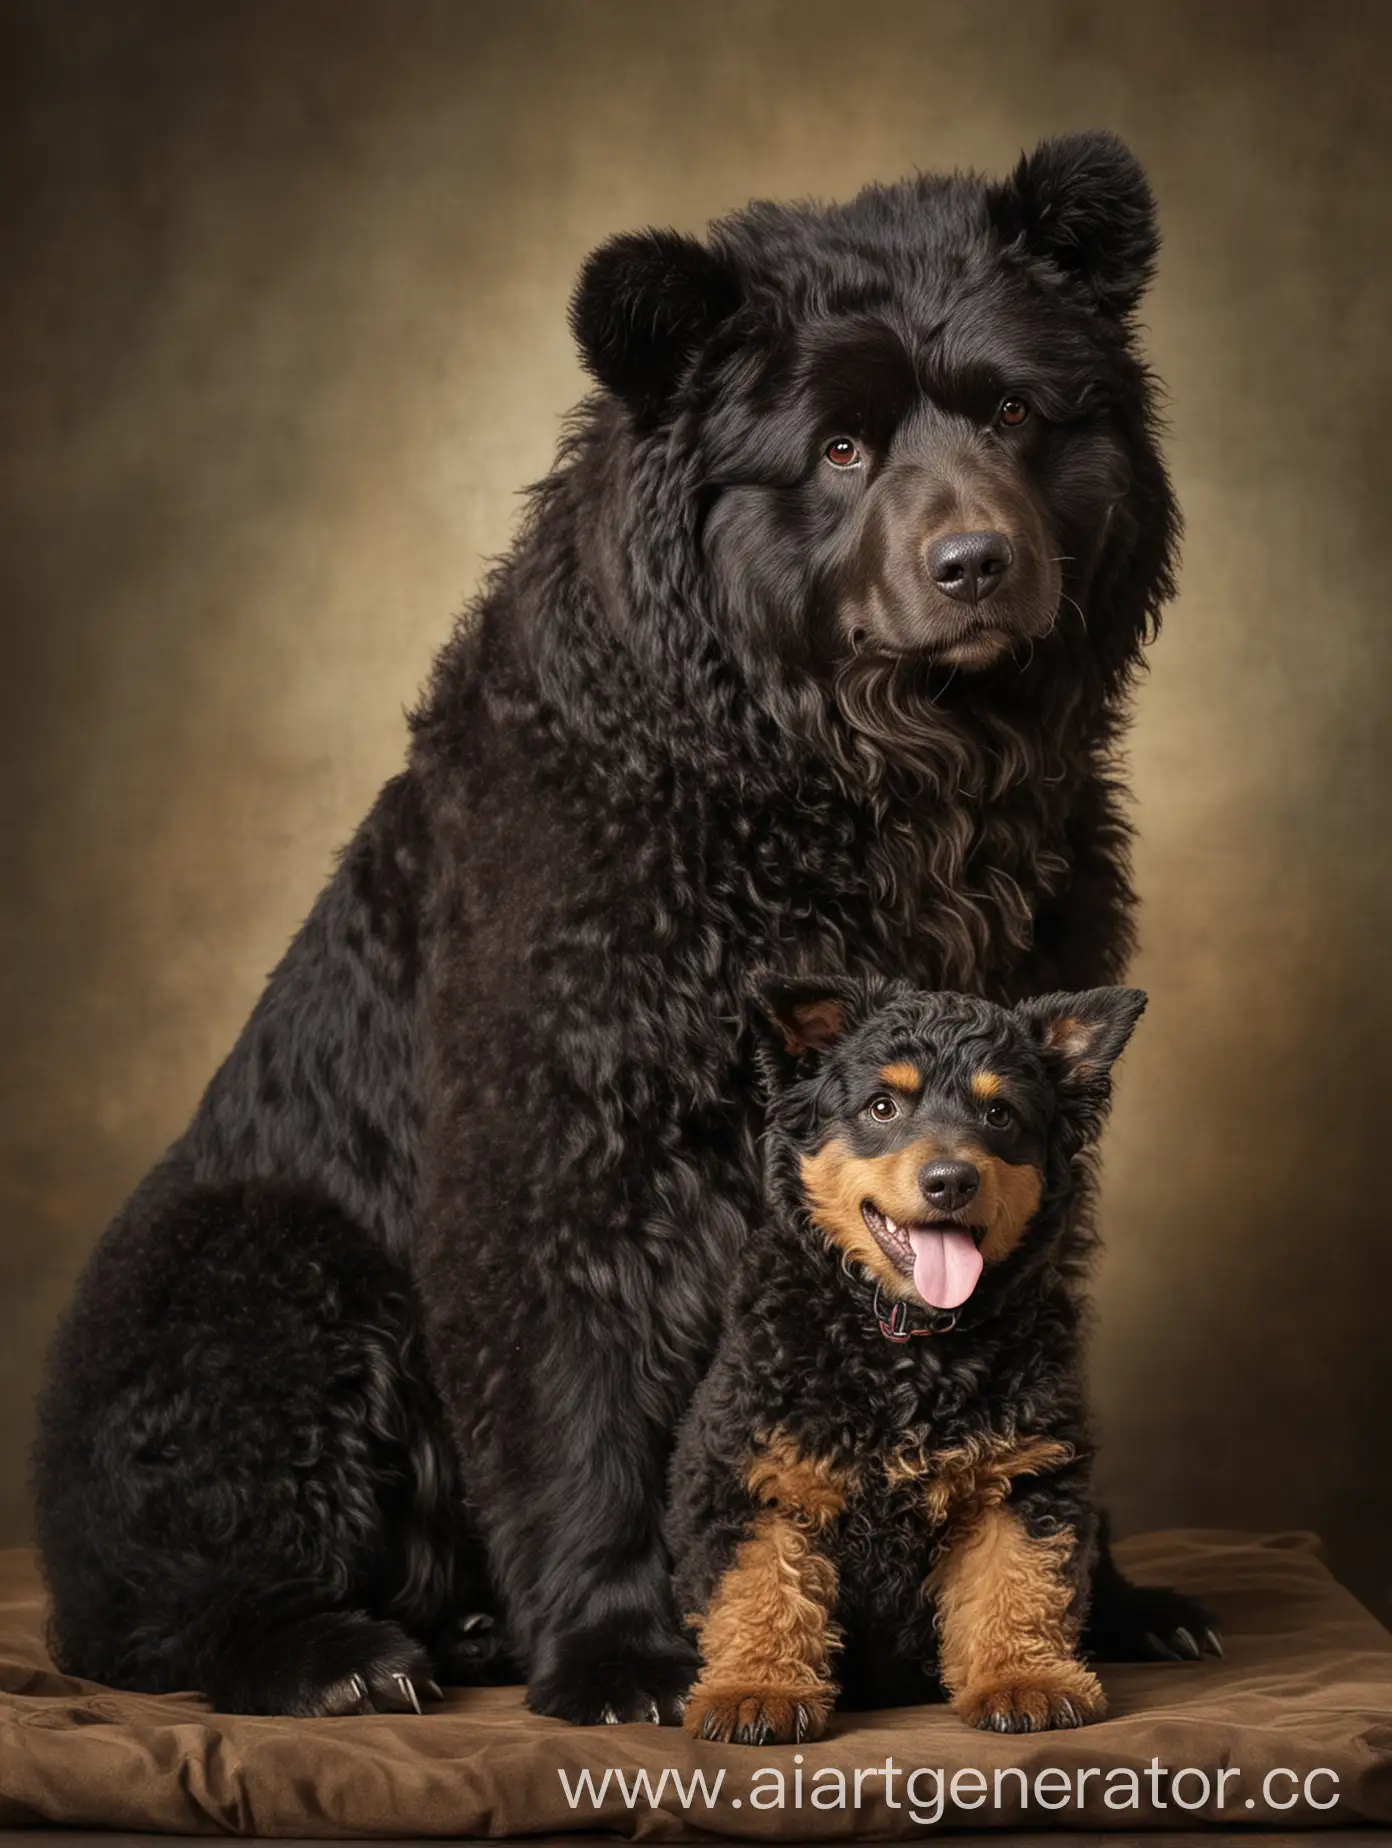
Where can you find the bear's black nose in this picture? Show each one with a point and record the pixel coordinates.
(948, 1185)
(969, 566)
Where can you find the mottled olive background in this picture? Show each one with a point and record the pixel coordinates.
(283, 336)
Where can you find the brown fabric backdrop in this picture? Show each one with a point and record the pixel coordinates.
(283, 334)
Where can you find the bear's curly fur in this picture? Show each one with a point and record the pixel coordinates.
(392, 1345)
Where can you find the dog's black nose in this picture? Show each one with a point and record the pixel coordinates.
(948, 1185)
(969, 566)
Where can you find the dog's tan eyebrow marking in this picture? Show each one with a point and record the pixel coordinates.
(985, 1086)
(903, 1076)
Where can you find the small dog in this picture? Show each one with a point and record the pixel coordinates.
(882, 1488)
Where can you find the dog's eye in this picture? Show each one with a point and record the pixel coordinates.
(1012, 413)
(883, 1108)
(843, 453)
(999, 1116)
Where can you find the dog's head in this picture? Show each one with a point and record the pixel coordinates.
(923, 1132)
(916, 421)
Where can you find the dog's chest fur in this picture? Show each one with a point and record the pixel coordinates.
(914, 1488)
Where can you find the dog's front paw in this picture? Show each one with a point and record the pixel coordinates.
(1033, 1700)
(589, 1685)
(760, 1716)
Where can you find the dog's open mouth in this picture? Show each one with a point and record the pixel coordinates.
(941, 1255)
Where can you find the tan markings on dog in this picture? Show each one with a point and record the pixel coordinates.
(837, 1182)
(810, 1490)
(1007, 1626)
(1009, 1197)
(767, 1639)
(1074, 1039)
(903, 1076)
(815, 1025)
(985, 1086)
(1070, 1036)
(960, 1483)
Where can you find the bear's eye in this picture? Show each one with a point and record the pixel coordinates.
(883, 1108)
(1012, 413)
(999, 1116)
(841, 452)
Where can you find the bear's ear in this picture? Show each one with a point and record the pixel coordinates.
(798, 1015)
(1082, 1037)
(1083, 203)
(644, 303)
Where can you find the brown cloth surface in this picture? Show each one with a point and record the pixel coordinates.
(1304, 1697)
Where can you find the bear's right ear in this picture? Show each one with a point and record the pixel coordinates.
(644, 303)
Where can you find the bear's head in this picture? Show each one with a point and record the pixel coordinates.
(911, 429)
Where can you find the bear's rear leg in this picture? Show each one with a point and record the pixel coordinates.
(337, 1662)
(242, 1483)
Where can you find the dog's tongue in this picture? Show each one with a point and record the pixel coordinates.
(946, 1264)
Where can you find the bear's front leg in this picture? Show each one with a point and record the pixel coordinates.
(562, 1427)
(1008, 1625)
(581, 1189)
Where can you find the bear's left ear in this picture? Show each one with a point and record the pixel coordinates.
(1082, 1036)
(1082, 202)
(644, 303)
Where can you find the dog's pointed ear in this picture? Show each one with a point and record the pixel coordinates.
(1082, 1036)
(1083, 204)
(799, 1015)
(645, 302)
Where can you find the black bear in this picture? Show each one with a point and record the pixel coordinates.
(813, 651)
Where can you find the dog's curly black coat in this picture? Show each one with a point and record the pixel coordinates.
(395, 1339)
(851, 1444)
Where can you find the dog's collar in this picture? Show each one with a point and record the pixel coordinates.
(896, 1320)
